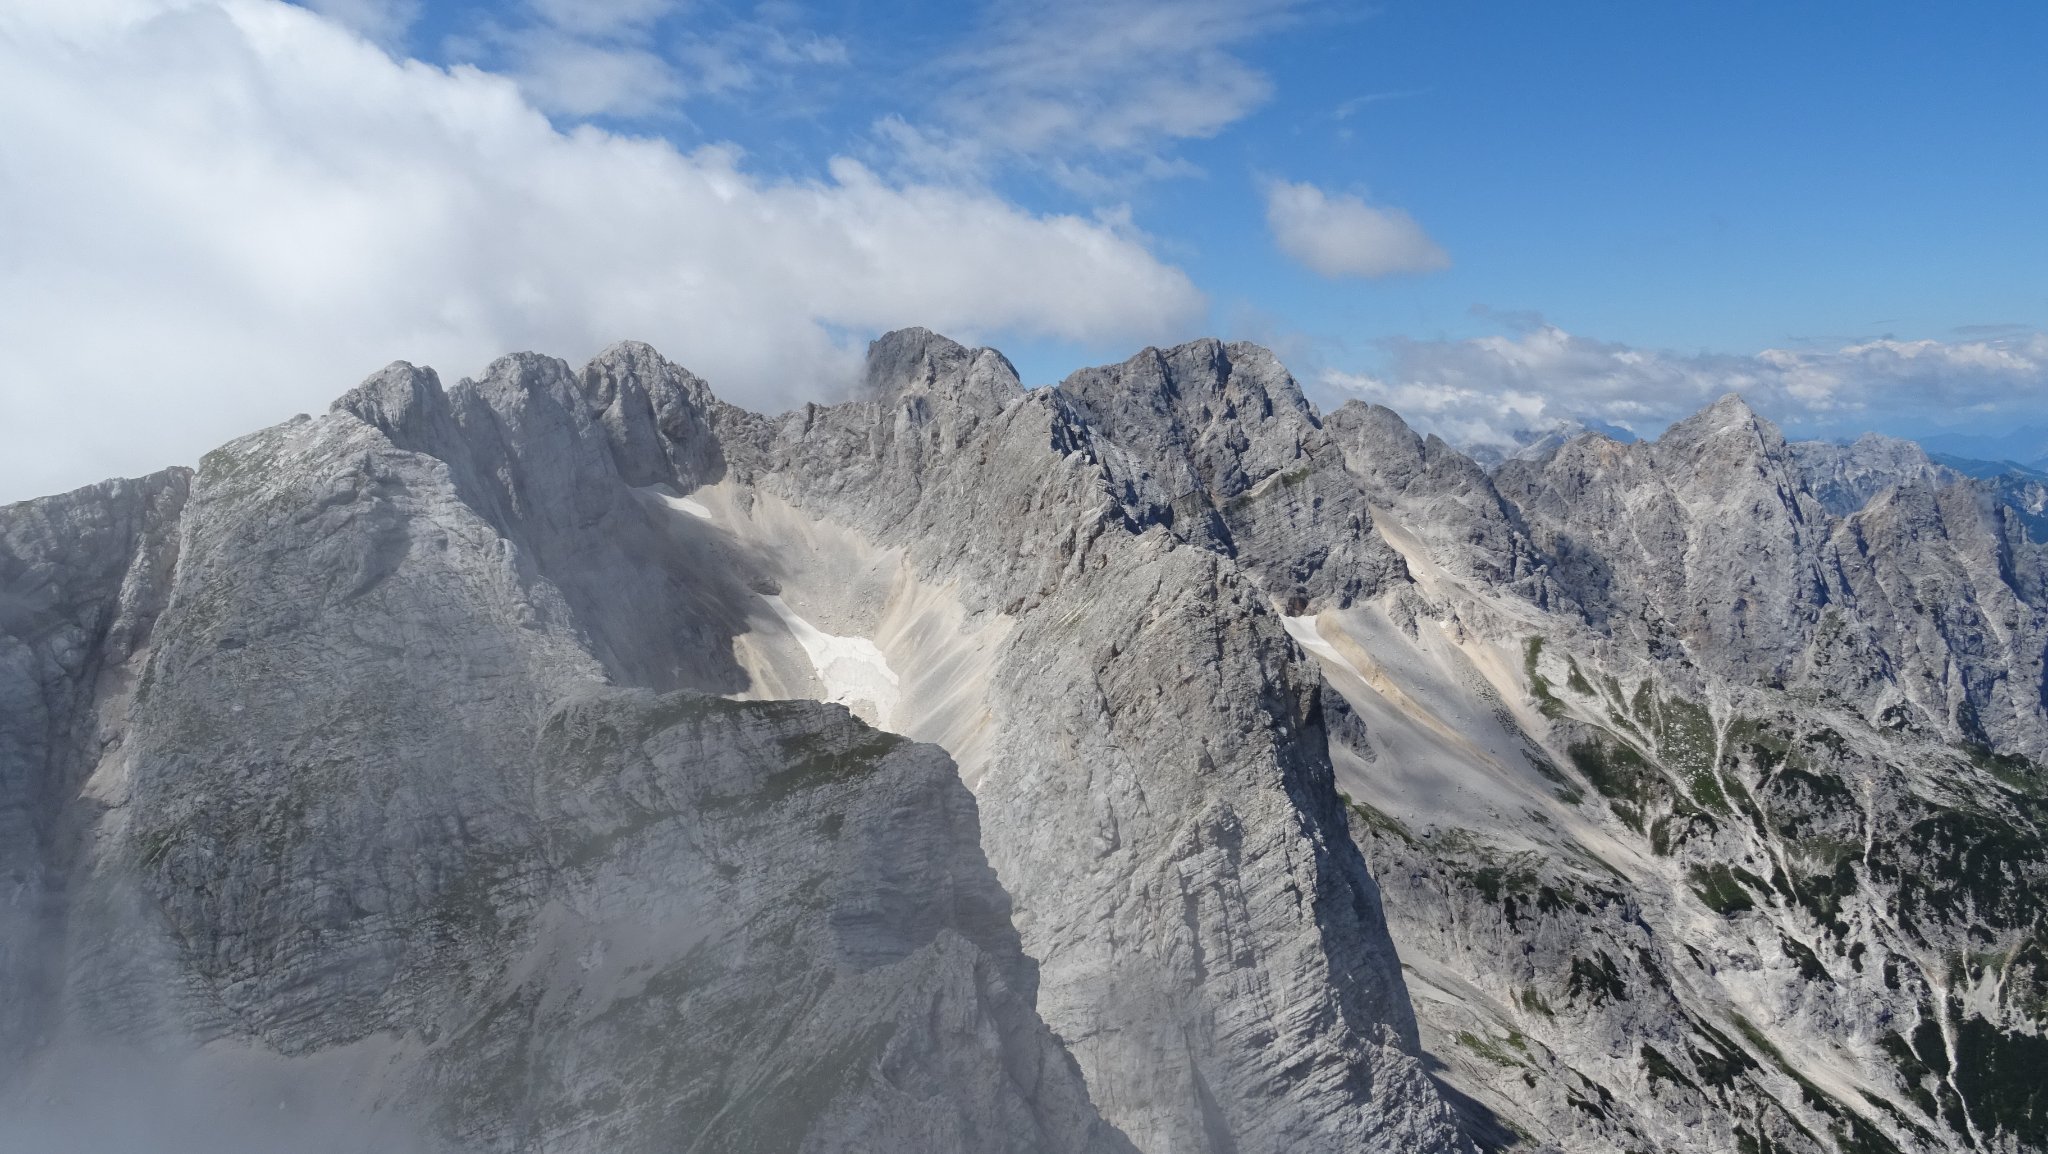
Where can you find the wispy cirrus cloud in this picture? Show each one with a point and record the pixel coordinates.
(1093, 92)
(638, 60)
(1498, 391)
(1092, 95)
(385, 22)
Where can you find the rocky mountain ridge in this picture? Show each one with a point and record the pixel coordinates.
(1274, 780)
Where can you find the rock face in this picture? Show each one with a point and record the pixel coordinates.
(568, 760)
(83, 578)
(445, 753)
(1844, 477)
(1155, 796)
(1725, 830)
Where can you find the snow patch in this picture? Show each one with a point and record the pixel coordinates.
(686, 505)
(853, 670)
(902, 652)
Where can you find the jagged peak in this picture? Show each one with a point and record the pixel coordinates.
(1726, 410)
(1201, 370)
(595, 387)
(1264, 365)
(633, 359)
(1377, 422)
(1867, 449)
(1728, 414)
(628, 351)
(638, 361)
(398, 375)
(1888, 442)
(521, 372)
(395, 395)
(920, 361)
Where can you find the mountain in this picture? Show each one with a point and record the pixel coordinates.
(1970, 466)
(569, 760)
(1844, 477)
(2026, 446)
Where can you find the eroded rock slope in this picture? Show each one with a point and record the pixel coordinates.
(452, 749)
(1702, 777)
(567, 759)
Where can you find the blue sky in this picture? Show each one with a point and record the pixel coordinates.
(1705, 177)
(1496, 217)
(1724, 177)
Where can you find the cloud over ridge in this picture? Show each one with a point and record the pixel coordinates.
(225, 210)
(1495, 391)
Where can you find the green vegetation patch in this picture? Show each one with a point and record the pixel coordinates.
(1662, 1069)
(1802, 954)
(1632, 786)
(1719, 1061)
(2017, 773)
(1801, 796)
(1823, 878)
(1959, 864)
(2003, 1077)
(1684, 731)
(1914, 1073)
(1493, 1051)
(1597, 979)
(1547, 702)
(1375, 819)
(1760, 743)
(1722, 888)
(1643, 703)
(1518, 889)
(1577, 680)
(819, 759)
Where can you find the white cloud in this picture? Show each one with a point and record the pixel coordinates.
(1344, 236)
(384, 21)
(578, 78)
(639, 59)
(602, 17)
(1091, 91)
(1495, 391)
(223, 211)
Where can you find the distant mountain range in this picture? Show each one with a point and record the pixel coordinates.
(2025, 448)
(1976, 467)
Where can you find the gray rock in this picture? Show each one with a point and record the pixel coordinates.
(376, 794)
(1844, 477)
(416, 760)
(83, 578)
(1210, 943)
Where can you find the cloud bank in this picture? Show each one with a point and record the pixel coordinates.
(1495, 392)
(1342, 235)
(224, 211)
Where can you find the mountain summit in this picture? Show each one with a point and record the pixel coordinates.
(568, 760)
